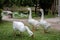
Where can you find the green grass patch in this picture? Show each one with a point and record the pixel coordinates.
(19, 15)
(50, 14)
(6, 33)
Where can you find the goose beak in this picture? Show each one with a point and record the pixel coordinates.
(41, 10)
(28, 8)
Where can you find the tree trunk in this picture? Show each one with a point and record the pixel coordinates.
(0, 15)
(53, 9)
(0, 19)
(59, 8)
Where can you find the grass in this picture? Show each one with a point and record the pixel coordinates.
(6, 33)
(50, 15)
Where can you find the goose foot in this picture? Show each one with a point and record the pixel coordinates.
(14, 33)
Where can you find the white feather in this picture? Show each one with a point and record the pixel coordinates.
(43, 22)
(32, 21)
(20, 27)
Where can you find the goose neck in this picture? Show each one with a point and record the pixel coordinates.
(30, 14)
(42, 16)
(29, 31)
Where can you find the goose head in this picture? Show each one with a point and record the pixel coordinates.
(41, 10)
(29, 31)
(29, 8)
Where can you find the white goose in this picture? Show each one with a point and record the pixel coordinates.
(21, 27)
(32, 21)
(43, 22)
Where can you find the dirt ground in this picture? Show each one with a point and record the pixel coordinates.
(55, 22)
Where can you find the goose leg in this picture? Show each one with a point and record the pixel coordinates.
(33, 29)
(14, 33)
(45, 31)
(20, 33)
